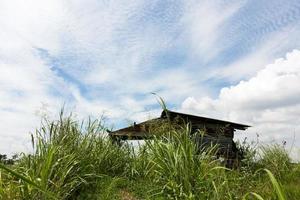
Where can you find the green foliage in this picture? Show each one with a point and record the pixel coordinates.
(75, 160)
(276, 186)
(275, 158)
(8, 161)
(68, 158)
(292, 183)
(247, 153)
(176, 164)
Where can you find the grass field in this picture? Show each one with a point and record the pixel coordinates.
(74, 160)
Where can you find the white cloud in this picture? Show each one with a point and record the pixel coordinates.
(31, 23)
(269, 101)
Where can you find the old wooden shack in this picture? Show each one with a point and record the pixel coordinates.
(216, 131)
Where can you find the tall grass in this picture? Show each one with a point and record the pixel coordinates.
(178, 166)
(75, 160)
(69, 157)
(276, 159)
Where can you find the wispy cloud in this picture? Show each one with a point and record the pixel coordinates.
(204, 23)
(108, 56)
(277, 44)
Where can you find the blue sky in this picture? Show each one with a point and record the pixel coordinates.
(209, 58)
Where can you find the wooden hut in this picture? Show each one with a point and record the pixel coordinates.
(216, 131)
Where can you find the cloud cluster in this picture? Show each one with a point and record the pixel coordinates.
(269, 101)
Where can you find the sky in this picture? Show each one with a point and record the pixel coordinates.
(232, 60)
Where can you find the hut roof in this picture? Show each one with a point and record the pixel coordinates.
(201, 119)
(139, 131)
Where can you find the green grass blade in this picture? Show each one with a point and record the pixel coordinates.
(257, 196)
(160, 101)
(23, 178)
(276, 185)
